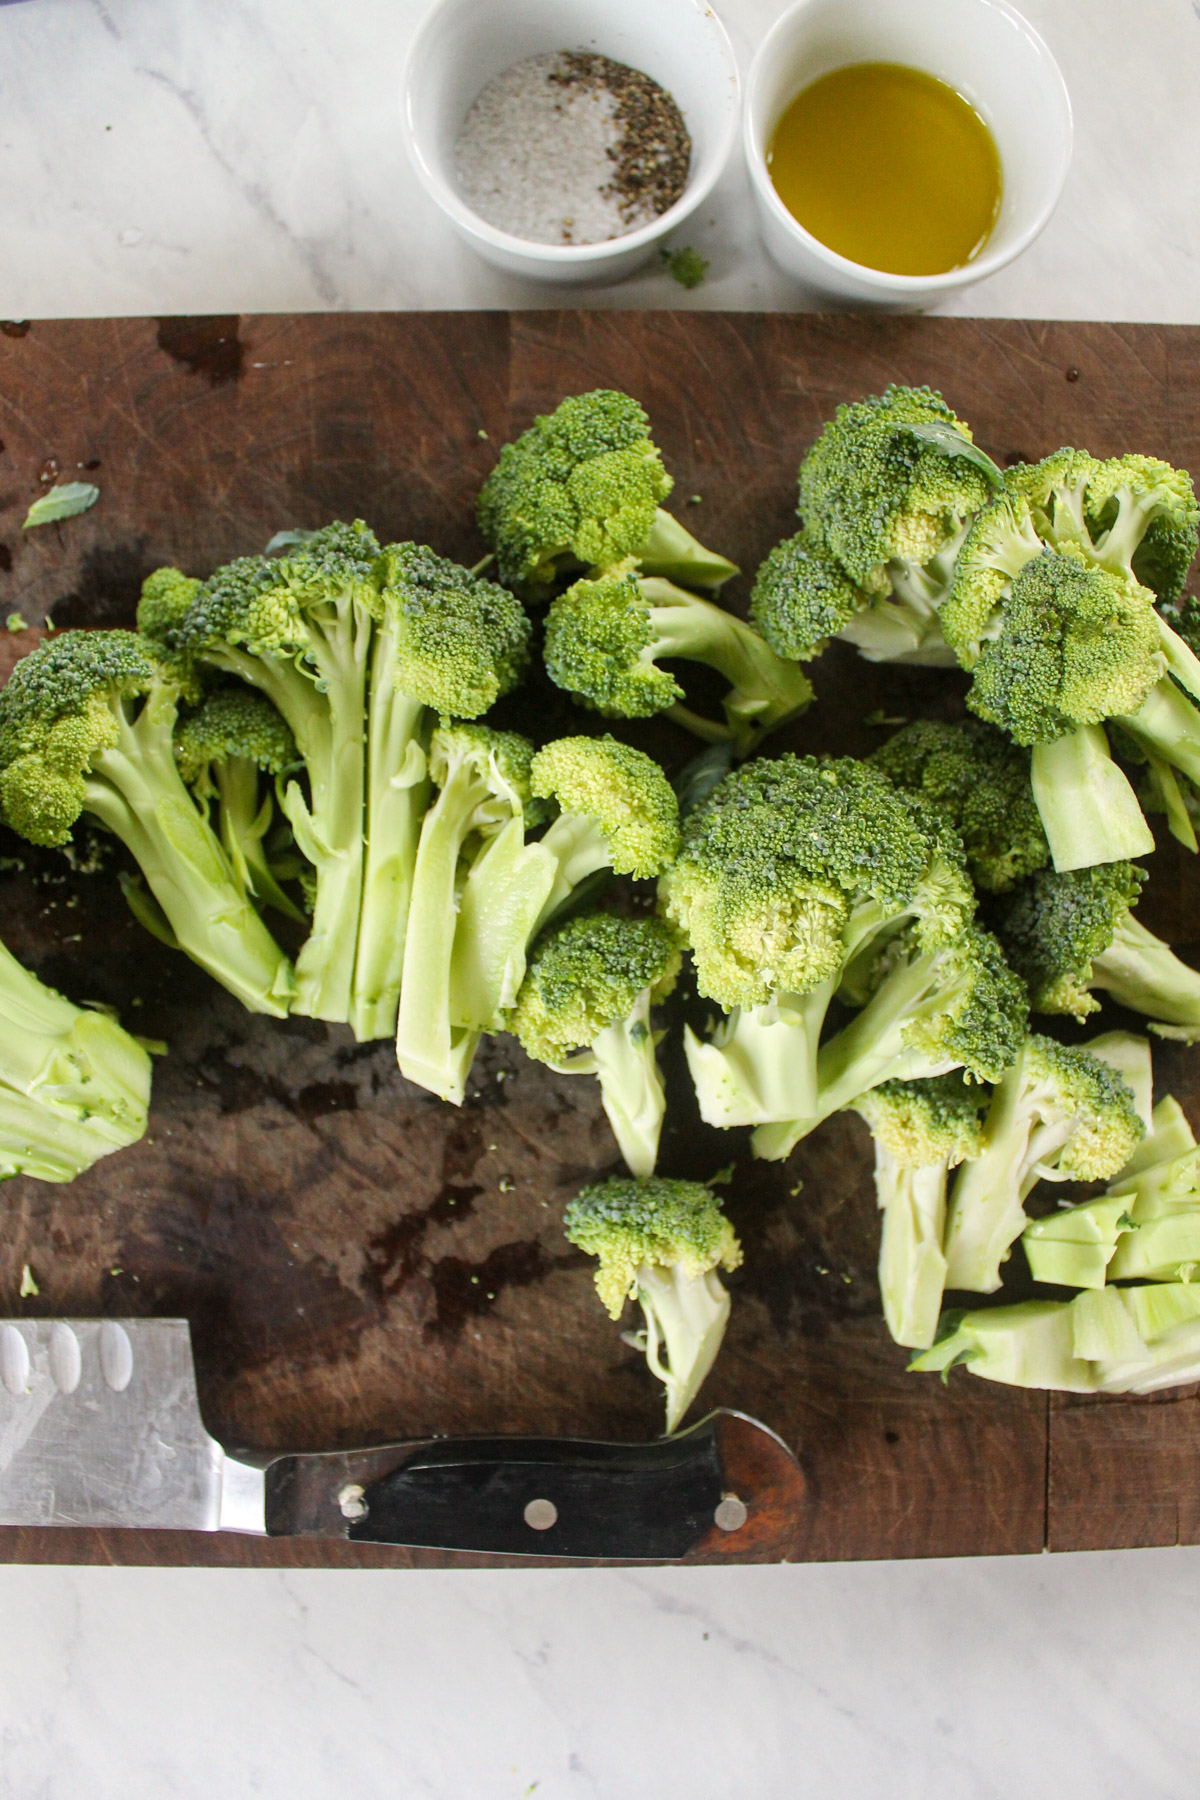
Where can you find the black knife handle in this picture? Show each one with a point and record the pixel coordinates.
(726, 1489)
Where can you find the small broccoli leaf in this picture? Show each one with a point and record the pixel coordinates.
(953, 443)
(62, 503)
(292, 539)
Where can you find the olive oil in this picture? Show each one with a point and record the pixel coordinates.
(889, 167)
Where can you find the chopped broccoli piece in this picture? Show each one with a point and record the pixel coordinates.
(73, 1086)
(1058, 1114)
(922, 1130)
(446, 642)
(617, 811)
(86, 724)
(223, 749)
(584, 486)
(584, 1008)
(686, 266)
(980, 782)
(483, 776)
(1142, 520)
(803, 597)
(661, 1243)
(604, 640)
(1067, 935)
(299, 629)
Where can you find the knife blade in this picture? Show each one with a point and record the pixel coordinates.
(100, 1425)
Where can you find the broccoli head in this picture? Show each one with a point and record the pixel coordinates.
(662, 1243)
(233, 724)
(802, 597)
(1142, 520)
(604, 640)
(588, 989)
(617, 809)
(459, 643)
(923, 1123)
(998, 544)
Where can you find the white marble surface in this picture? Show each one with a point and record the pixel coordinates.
(243, 155)
(1036, 1678)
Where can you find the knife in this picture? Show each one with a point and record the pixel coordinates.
(100, 1425)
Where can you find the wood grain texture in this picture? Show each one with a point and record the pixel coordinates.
(359, 1263)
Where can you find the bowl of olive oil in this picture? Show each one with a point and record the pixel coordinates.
(900, 152)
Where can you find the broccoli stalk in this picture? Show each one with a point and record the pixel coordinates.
(223, 750)
(86, 725)
(483, 777)
(584, 1009)
(73, 1086)
(605, 638)
(922, 1129)
(1058, 1114)
(661, 1243)
(583, 486)
(446, 643)
(1069, 935)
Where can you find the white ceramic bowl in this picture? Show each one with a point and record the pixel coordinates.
(985, 50)
(462, 44)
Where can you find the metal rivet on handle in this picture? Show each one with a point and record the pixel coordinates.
(66, 1359)
(540, 1515)
(116, 1356)
(731, 1514)
(350, 1501)
(14, 1360)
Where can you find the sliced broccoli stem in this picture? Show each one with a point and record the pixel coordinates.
(686, 1316)
(397, 797)
(1182, 661)
(1087, 807)
(1031, 1345)
(243, 822)
(765, 689)
(912, 1268)
(672, 552)
(430, 1050)
(1167, 725)
(504, 895)
(761, 1062)
(1144, 974)
(631, 1086)
(890, 630)
(135, 789)
(986, 1214)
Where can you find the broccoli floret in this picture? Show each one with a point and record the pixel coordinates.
(958, 1006)
(616, 811)
(86, 725)
(223, 749)
(1058, 1114)
(584, 485)
(584, 1008)
(980, 782)
(1068, 935)
(1142, 520)
(73, 1086)
(483, 776)
(299, 629)
(446, 642)
(802, 597)
(997, 546)
(889, 489)
(605, 638)
(922, 1130)
(661, 1243)
(789, 872)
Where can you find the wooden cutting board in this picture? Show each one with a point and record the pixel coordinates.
(360, 1262)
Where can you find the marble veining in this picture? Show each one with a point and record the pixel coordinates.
(245, 155)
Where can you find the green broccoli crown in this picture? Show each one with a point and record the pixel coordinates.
(998, 544)
(502, 758)
(924, 1122)
(334, 563)
(874, 490)
(599, 647)
(167, 597)
(1055, 491)
(667, 1224)
(460, 642)
(1054, 926)
(802, 597)
(1164, 502)
(622, 790)
(234, 723)
(977, 1012)
(245, 603)
(1078, 645)
(58, 711)
(775, 858)
(1067, 1081)
(979, 781)
(588, 974)
(583, 481)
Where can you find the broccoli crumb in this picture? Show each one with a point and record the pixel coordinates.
(16, 622)
(686, 266)
(29, 1288)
